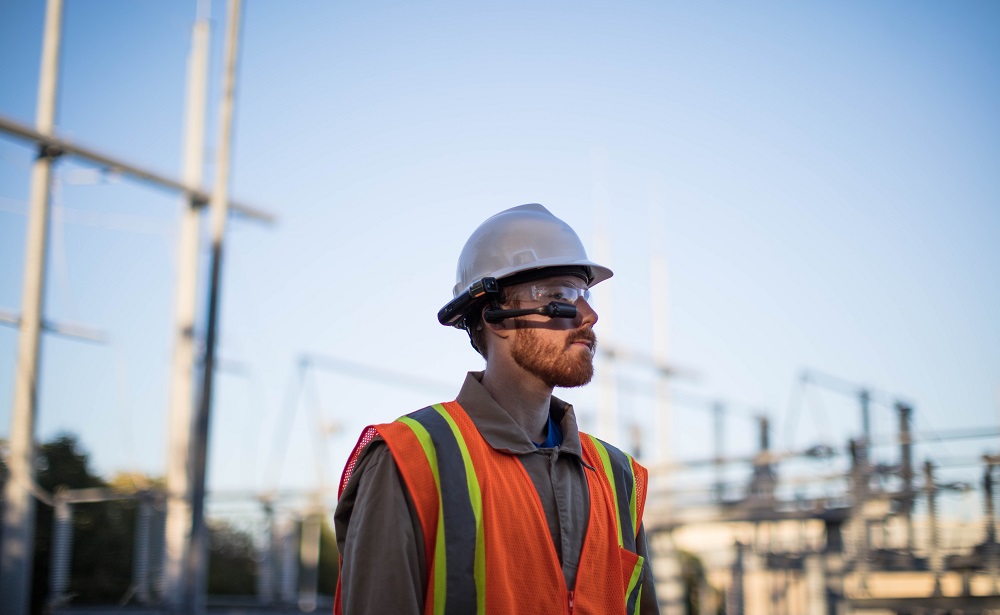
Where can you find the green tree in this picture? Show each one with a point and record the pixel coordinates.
(101, 561)
(232, 562)
(329, 560)
(103, 535)
(694, 578)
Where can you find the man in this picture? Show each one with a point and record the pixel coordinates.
(494, 502)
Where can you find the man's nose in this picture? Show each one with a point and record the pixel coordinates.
(585, 315)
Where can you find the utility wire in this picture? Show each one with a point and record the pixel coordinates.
(297, 385)
(127, 432)
(279, 448)
(320, 440)
(125, 223)
(821, 416)
(694, 401)
(934, 435)
(377, 374)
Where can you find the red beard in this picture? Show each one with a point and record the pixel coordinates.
(557, 365)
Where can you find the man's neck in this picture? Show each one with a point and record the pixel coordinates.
(522, 395)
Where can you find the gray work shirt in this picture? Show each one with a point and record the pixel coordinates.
(379, 534)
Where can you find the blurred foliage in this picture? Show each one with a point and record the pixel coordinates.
(232, 563)
(696, 583)
(103, 535)
(136, 482)
(329, 560)
(101, 562)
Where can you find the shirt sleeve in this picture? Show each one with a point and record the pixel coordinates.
(648, 604)
(380, 540)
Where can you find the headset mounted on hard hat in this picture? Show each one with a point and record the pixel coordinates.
(513, 246)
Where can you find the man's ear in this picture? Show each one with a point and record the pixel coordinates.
(500, 329)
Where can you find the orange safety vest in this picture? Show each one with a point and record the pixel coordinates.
(487, 543)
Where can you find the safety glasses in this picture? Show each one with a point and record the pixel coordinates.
(561, 293)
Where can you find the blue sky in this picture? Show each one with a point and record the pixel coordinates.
(820, 178)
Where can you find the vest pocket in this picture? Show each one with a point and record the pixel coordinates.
(632, 579)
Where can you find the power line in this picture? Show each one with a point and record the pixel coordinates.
(376, 374)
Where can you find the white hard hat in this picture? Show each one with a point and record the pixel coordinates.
(511, 244)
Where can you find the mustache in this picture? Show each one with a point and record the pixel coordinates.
(583, 335)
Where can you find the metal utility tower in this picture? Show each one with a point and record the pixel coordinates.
(19, 507)
(197, 566)
(661, 346)
(18, 533)
(178, 524)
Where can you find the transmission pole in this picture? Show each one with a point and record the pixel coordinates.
(197, 565)
(661, 341)
(607, 404)
(19, 505)
(182, 387)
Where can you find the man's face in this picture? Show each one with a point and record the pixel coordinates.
(559, 351)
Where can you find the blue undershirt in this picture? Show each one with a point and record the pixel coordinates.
(554, 437)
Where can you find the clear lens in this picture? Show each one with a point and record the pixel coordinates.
(545, 293)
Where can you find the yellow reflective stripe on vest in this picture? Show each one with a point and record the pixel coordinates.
(631, 502)
(618, 468)
(602, 452)
(634, 590)
(439, 553)
(460, 515)
(623, 489)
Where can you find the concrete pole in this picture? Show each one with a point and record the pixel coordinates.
(735, 595)
(718, 423)
(607, 377)
(182, 369)
(864, 398)
(607, 404)
(865, 445)
(906, 472)
(859, 523)
(661, 340)
(934, 540)
(196, 570)
(19, 506)
(992, 555)
(834, 569)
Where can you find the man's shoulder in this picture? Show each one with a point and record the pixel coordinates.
(615, 455)
(367, 456)
(372, 451)
(604, 443)
(419, 415)
(414, 414)
(423, 411)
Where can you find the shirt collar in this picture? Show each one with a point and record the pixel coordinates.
(499, 429)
